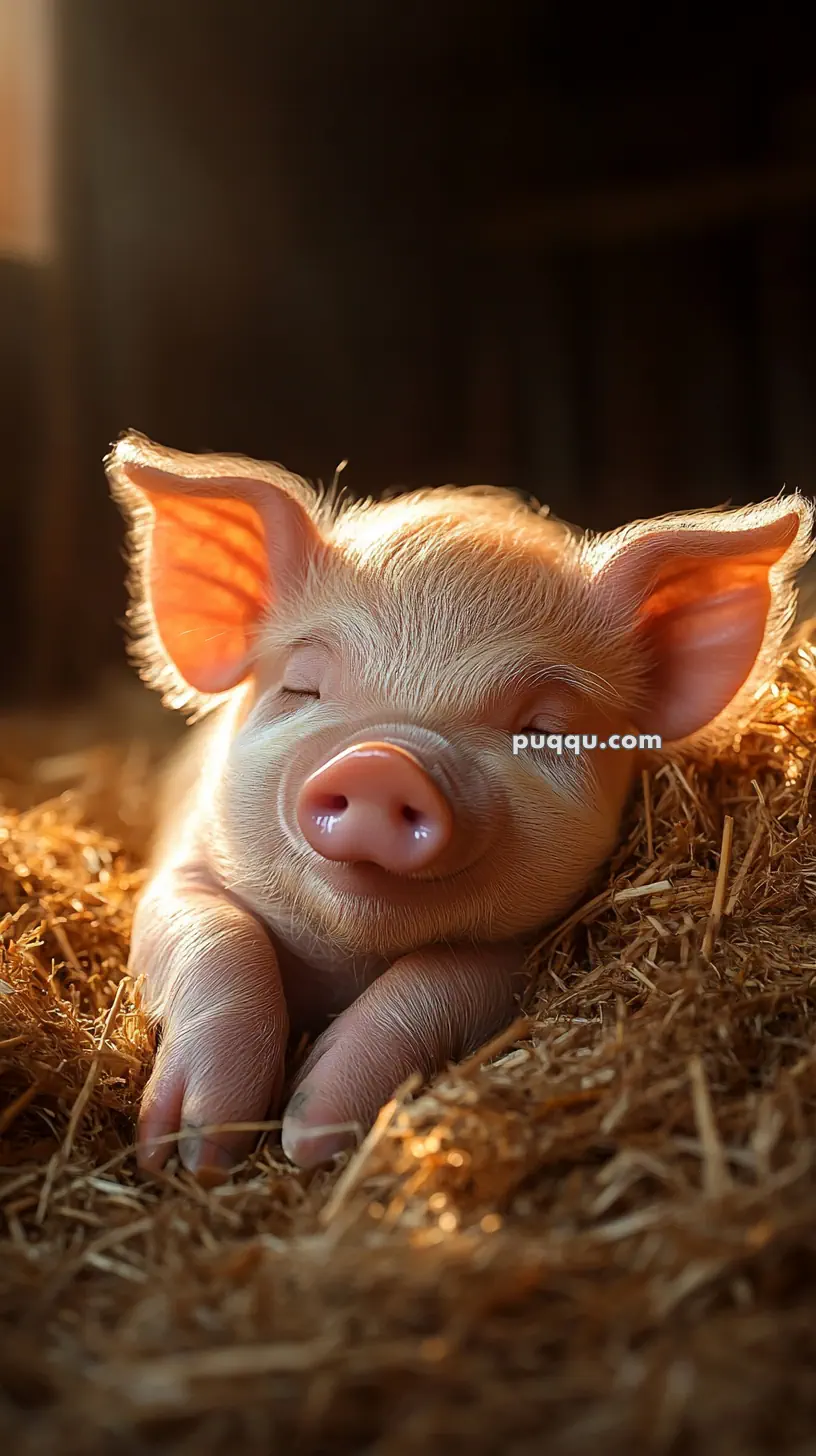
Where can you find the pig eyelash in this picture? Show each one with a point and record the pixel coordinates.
(538, 725)
(301, 692)
(537, 728)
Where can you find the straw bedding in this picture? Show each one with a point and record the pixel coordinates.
(599, 1233)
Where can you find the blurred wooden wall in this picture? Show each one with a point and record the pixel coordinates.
(27, 257)
(468, 241)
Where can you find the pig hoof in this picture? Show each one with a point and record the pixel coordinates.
(307, 1146)
(209, 1177)
(208, 1160)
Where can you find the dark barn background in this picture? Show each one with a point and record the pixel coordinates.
(553, 247)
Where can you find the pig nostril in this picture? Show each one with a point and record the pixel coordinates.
(332, 803)
(411, 816)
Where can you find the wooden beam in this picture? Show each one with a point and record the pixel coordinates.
(55, 562)
(26, 125)
(687, 206)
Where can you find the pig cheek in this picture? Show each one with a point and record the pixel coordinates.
(596, 830)
(561, 845)
(615, 778)
(249, 837)
(605, 797)
(258, 846)
(583, 842)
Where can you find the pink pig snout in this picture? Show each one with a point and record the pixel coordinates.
(375, 803)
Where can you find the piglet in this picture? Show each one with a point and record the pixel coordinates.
(351, 848)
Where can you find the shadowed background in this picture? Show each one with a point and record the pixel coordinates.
(562, 250)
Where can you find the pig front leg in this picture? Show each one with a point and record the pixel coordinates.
(212, 982)
(429, 1008)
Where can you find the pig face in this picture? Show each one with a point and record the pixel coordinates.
(370, 796)
(375, 661)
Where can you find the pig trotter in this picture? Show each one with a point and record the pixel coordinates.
(429, 1008)
(212, 981)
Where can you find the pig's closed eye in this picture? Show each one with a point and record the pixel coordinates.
(552, 711)
(540, 724)
(304, 671)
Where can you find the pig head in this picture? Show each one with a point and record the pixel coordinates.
(353, 850)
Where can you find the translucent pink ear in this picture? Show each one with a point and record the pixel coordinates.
(710, 596)
(215, 539)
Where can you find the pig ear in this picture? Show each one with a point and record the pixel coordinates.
(711, 595)
(215, 541)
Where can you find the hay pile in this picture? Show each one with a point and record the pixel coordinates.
(603, 1240)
